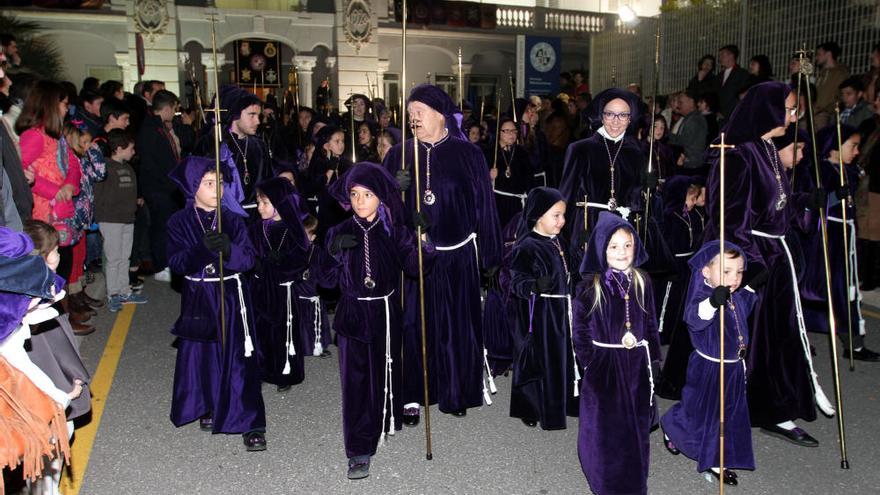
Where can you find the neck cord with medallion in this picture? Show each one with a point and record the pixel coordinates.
(740, 340)
(686, 218)
(368, 271)
(307, 273)
(210, 269)
(269, 243)
(612, 202)
(430, 199)
(243, 153)
(507, 161)
(628, 340)
(773, 155)
(558, 246)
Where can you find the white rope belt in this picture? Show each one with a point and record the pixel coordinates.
(726, 361)
(543, 176)
(821, 399)
(663, 307)
(683, 255)
(577, 373)
(520, 197)
(316, 302)
(641, 343)
(250, 206)
(623, 210)
(853, 292)
(248, 343)
(289, 349)
(388, 391)
(472, 238)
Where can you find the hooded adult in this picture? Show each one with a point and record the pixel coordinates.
(758, 215)
(457, 203)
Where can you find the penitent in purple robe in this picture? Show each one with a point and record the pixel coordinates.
(692, 424)
(282, 250)
(212, 375)
(462, 218)
(545, 389)
(616, 398)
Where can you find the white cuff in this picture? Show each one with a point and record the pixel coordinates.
(706, 311)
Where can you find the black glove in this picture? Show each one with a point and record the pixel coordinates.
(757, 280)
(420, 219)
(720, 295)
(487, 276)
(649, 181)
(543, 285)
(583, 237)
(343, 241)
(403, 179)
(818, 199)
(218, 243)
(843, 192)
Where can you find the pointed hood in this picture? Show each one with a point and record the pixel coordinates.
(188, 175)
(377, 179)
(761, 110)
(289, 205)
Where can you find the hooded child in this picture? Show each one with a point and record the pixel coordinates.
(691, 426)
(545, 373)
(216, 377)
(616, 342)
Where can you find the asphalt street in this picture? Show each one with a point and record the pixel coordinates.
(138, 451)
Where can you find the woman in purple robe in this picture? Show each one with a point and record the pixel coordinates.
(604, 167)
(616, 341)
(367, 254)
(281, 249)
(216, 377)
(458, 209)
(679, 198)
(511, 172)
(691, 426)
(813, 288)
(759, 211)
(545, 374)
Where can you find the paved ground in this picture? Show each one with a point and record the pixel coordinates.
(138, 450)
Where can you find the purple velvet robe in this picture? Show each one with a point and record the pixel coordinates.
(314, 323)
(364, 331)
(464, 205)
(543, 367)
(588, 172)
(779, 381)
(516, 160)
(616, 406)
(285, 261)
(498, 319)
(692, 424)
(813, 288)
(212, 376)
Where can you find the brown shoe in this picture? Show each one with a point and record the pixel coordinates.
(81, 329)
(78, 318)
(91, 301)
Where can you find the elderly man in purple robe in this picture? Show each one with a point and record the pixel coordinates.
(458, 210)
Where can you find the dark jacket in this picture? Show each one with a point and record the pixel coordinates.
(728, 92)
(21, 190)
(157, 157)
(691, 138)
(116, 196)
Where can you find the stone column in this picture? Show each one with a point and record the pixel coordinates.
(305, 65)
(210, 70)
(129, 74)
(381, 69)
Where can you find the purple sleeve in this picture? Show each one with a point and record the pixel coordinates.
(584, 322)
(241, 256)
(652, 335)
(187, 253)
(738, 208)
(522, 277)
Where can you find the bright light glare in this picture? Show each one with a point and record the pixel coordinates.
(627, 14)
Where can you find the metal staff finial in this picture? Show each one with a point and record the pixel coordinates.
(721, 383)
(805, 70)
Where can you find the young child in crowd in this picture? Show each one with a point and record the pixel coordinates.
(691, 426)
(367, 253)
(115, 211)
(282, 249)
(314, 322)
(545, 374)
(616, 341)
(216, 377)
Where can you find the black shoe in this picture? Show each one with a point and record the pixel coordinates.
(863, 354)
(411, 416)
(135, 282)
(531, 423)
(206, 423)
(796, 436)
(284, 388)
(729, 477)
(460, 413)
(359, 467)
(670, 447)
(325, 354)
(254, 441)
